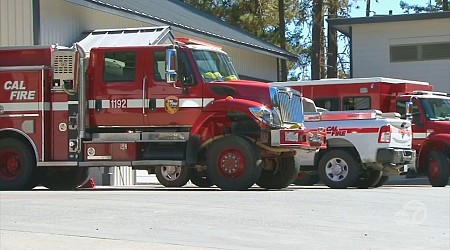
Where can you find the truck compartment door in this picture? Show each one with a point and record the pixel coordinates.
(116, 88)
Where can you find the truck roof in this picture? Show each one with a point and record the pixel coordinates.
(127, 37)
(349, 81)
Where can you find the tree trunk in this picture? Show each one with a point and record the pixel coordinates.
(445, 5)
(283, 70)
(367, 8)
(332, 42)
(316, 57)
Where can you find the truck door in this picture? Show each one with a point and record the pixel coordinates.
(176, 105)
(116, 87)
(418, 120)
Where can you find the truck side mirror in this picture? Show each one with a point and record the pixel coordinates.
(408, 109)
(171, 66)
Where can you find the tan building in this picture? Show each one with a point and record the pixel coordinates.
(413, 46)
(44, 22)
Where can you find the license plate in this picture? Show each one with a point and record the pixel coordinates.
(291, 136)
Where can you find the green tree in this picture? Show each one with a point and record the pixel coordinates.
(439, 5)
(264, 19)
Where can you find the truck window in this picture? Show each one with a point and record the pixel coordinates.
(331, 104)
(119, 66)
(214, 66)
(356, 103)
(187, 74)
(436, 109)
(401, 108)
(159, 66)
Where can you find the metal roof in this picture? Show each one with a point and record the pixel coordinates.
(344, 24)
(187, 19)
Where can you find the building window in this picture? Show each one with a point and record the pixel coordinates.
(436, 51)
(420, 52)
(119, 66)
(330, 104)
(356, 103)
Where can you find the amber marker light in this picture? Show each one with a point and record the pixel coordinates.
(229, 98)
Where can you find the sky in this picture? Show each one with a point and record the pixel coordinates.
(382, 7)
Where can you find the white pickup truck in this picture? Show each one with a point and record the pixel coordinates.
(364, 147)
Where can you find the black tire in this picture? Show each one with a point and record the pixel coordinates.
(232, 163)
(67, 178)
(282, 176)
(201, 181)
(369, 179)
(338, 169)
(172, 176)
(304, 179)
(438, 168)
(18, 169)
(36, 179)
(382, 180)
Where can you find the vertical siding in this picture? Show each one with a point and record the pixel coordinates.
(142, 177)
(114, 176)
(63, 22)
(16, 22)
(371, 56)
(123, 176)
(253, 64)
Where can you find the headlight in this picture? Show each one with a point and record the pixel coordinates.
(266, 115)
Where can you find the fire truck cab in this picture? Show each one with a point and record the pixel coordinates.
(138, 97)
(430, 113)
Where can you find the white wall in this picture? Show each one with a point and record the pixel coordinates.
(253, 64)
(370, 44)
(16, 22)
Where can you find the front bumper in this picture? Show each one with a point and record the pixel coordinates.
(295, 138)
(396, 156)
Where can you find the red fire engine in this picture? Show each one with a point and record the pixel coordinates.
(430, 113)
(137, 97)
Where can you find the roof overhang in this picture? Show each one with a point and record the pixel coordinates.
(270, 49)
(344, 24)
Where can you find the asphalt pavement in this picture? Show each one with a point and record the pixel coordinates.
(155, 217)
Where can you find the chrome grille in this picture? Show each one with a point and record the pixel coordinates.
(289, 103)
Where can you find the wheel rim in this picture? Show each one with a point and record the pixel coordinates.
(9, 164)
(171, 173)
(336, 169)
(433, 168)
(231, 163)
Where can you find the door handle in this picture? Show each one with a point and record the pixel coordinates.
(152, 104)
(144, 89)
(98, 105)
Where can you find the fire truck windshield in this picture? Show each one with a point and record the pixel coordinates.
(437, 109)
(214, 66)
